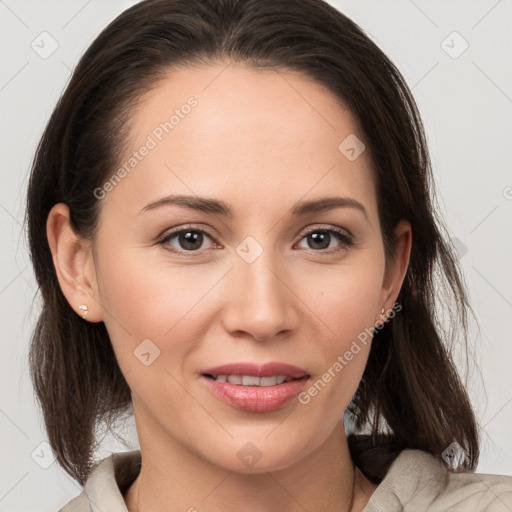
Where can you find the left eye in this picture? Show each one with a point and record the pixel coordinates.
(321, 239)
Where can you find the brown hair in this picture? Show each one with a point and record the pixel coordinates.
(410, 395)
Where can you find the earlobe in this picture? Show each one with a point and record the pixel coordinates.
(396, 268)
(74, 264)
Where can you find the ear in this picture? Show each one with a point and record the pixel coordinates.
(74, 263)
(396, 269)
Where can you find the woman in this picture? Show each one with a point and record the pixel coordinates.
(231, 224)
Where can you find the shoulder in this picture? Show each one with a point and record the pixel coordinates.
(106, 484)
(418, 481)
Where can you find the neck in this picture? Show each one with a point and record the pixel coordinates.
(172, 478)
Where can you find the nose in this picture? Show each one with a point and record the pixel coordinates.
(261, 302)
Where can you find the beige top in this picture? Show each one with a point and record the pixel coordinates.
(415, 482)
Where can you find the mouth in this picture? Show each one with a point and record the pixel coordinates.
(251, 380)
(255, 388)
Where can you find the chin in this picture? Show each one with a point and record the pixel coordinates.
(260, 455)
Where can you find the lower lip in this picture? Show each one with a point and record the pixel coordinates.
(255, 398)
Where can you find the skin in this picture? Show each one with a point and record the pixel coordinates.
(261, 141)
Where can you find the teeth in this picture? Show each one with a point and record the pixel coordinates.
(268, 381)
(250, 380)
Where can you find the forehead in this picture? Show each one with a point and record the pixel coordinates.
(225, 128)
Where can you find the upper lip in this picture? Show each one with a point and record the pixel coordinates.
(258, 370)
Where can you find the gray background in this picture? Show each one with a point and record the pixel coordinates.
(465, 97)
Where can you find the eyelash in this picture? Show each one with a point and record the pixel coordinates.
(346, 240)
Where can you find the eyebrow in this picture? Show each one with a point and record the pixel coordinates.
(215, 206)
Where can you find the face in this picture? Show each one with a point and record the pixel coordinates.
(252, 278)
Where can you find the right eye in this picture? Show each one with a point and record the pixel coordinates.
(186, 240)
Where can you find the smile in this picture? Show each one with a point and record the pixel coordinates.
(251, 380)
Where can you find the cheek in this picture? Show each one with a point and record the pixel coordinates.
(346, 299)
(151, 300)
(347, 306)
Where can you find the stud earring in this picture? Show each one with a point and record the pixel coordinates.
(382, 311)
(83, 308)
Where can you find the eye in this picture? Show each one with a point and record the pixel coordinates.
(187, 240)
(325, 239)
(194, 240)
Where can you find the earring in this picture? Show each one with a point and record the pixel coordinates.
(83, 308)
(382, 311)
